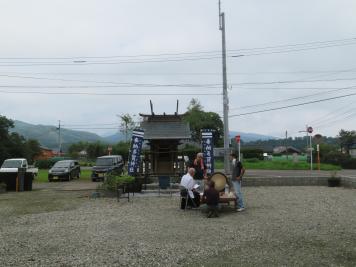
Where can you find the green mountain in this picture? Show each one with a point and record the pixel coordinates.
(48, 135)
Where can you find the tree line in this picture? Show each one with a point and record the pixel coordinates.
(13, 145)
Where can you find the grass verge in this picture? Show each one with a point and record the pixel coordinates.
(281, 165)
(42, 176)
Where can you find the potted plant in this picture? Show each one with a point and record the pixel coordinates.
(126, 182)
(334, 180)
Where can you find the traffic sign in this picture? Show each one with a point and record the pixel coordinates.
(310, 129)
(238, 138)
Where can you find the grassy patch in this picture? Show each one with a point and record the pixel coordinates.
(281, 165)
(42, 176)
(287, 165)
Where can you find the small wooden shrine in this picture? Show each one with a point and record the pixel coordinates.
(163, 134)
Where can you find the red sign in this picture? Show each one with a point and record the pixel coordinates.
(237, 138)
(310, 129)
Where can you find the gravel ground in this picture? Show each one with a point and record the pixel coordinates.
(298, 226)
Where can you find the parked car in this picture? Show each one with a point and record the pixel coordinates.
(12, 165)
(64, 169)
(107, 164)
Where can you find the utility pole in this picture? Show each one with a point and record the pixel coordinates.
(59, 139)
(286, 145)
(225, 95)
(308, 131)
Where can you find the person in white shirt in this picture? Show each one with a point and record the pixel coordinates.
(188, 183)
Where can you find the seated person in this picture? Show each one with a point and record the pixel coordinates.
(211, 198)
(188, 186)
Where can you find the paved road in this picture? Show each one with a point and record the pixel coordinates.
(297, 173)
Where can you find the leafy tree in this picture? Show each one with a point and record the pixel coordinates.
(75, 148)
(347, 139)
(127, 124)
(31, 149)
(199, 119)
(96, 149)
(122, 148)
(14, 145)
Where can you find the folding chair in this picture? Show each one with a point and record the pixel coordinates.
(164, 182)
(185, 198)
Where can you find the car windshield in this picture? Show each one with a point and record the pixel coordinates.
(12, 164)
(104, 162)
(61, 164)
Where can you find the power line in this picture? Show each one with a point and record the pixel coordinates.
(297, 44)
(106, 82)
(332, 123)
(295, 81)
(290, 106)
(293, 98)
(155, 59)
(334, 117)
(107, 94)
(212, 85)
(287, 88)
(214, 52)
(181, 73)
(26, 64)
(293, 50)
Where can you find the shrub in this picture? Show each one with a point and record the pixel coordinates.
(252, 153)
(112, 181)
(44, 163)
(341, 159)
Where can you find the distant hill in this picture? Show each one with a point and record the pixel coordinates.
(250, 137)
(48, 135)
(116, 137)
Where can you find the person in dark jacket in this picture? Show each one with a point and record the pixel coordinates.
(200, 176)
(211, 198)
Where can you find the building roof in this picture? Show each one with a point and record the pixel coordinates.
(282, 149)
(167, 129)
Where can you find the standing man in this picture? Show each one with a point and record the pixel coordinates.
(237, 171)
(200, 171)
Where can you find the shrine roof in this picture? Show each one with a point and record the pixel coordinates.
(166, 129)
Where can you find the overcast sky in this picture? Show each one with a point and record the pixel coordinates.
(116, 47)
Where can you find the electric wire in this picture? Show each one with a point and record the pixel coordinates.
(214, 52)
(107, 94)
(290, 106)
(293, 98)
(79, 61)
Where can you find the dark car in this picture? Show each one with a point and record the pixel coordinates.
(107, 164)
(64, 170)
